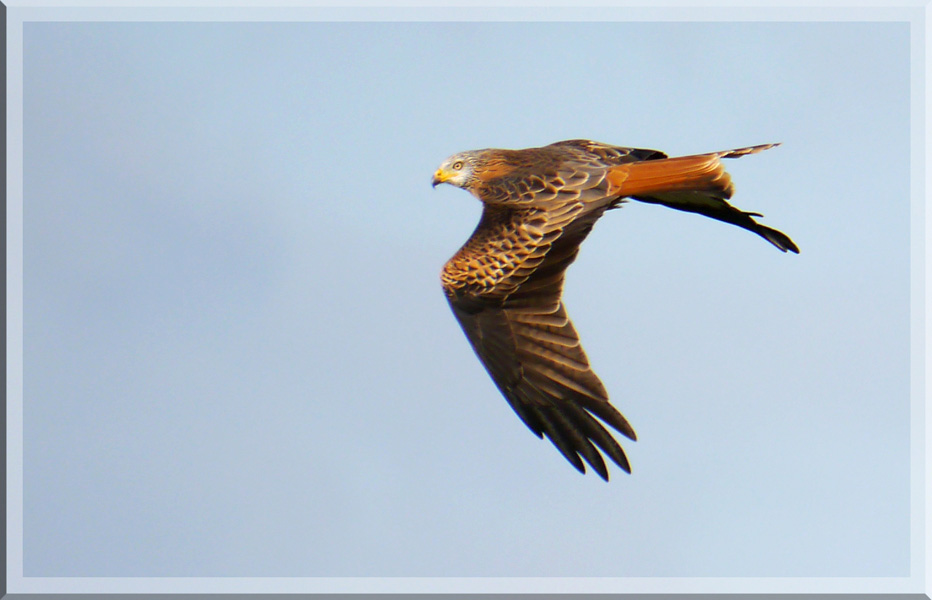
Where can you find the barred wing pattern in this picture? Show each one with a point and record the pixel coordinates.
(531, 350)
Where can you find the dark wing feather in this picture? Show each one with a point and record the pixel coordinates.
(718, 208)
(531, 350)
(604, 154)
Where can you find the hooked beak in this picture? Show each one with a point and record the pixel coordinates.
(438, 178)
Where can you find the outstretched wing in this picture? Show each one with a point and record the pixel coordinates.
(530, 348)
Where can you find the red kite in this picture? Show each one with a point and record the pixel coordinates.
(504, 285)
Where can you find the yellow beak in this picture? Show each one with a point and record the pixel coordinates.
(439, 177)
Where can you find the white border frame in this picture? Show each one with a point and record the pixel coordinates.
(916, 13)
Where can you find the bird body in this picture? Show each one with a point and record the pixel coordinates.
(505, 283)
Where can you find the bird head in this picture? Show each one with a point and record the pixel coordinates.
(458, 170)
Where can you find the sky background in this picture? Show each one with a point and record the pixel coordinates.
(238, 359)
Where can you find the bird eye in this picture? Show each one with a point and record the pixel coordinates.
(458, 165)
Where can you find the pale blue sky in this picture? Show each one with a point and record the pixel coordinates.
(238, 360)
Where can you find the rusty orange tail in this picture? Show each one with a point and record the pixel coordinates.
(698, 173)
(697, 184)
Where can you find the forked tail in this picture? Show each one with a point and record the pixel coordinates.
(698, 184)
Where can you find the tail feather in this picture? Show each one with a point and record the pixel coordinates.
(703, 173)
(698, 184)
(695, 173)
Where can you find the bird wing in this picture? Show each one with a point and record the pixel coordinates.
(518, 326)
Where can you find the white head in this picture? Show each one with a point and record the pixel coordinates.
(458, 170)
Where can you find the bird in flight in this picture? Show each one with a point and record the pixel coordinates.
(505, 284)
